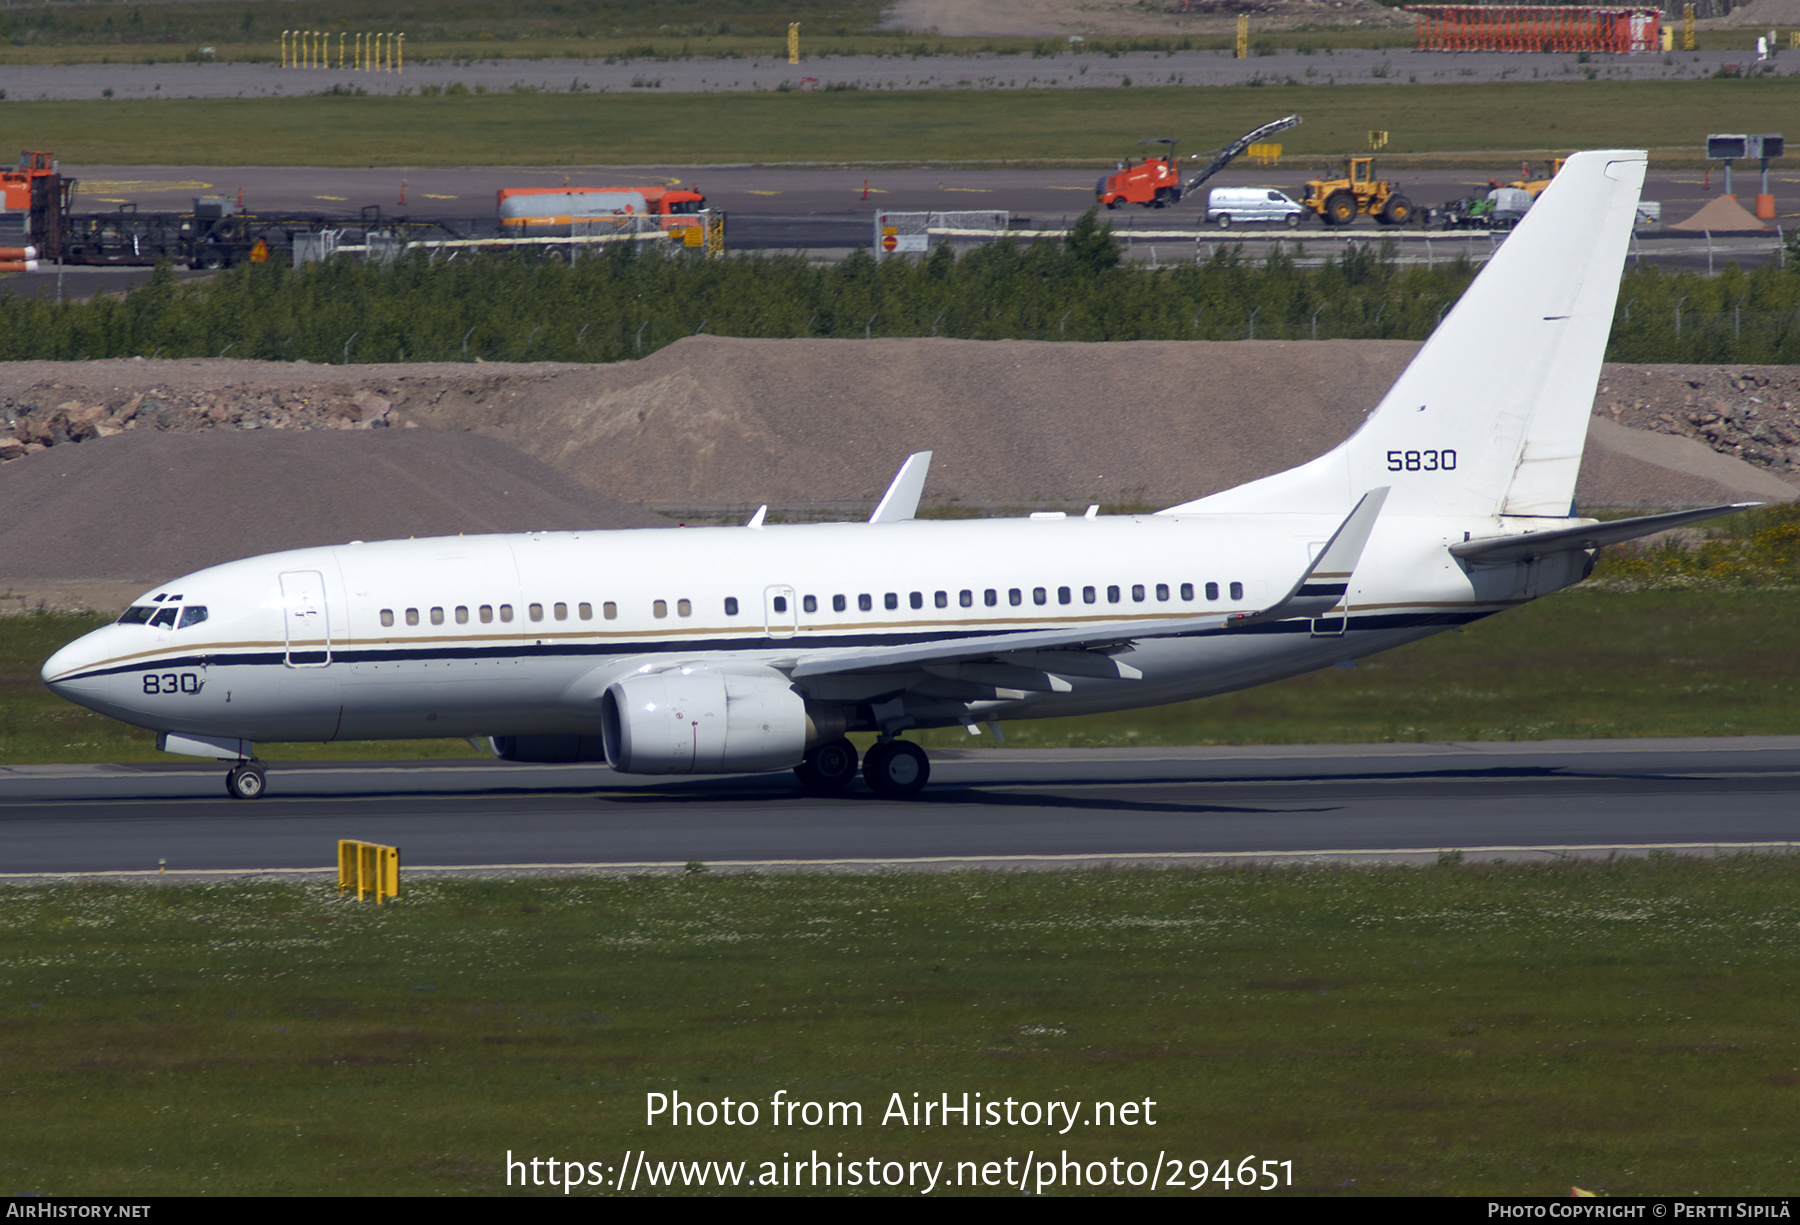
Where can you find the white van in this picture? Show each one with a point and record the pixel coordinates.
(1241, 205)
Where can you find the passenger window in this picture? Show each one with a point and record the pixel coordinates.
(865, 602)
(941, 599)
(916, 599)
(1015, 597)
(1039, 596)
(1162, 591)
(193, 614)
(730, 606)
(585, 611)
(839, 604)
(1064, 596)
(462, 614)
(660, 608)
(1137, 592)
(610, 611)
(1112, 595)
(437, 616)
(990, 597)
(412, 616)
(560, 611)
(164, 618)
(387, 616)
(684, 608)
(486, 613)
(535, 612)
(506, 612)
(891, 600)
(1088, 595)
(1212, 591)
(966, 598)
(1237, 591)
(807, 604)
(1187, 591)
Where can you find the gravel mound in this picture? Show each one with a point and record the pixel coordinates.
(134, 471)
(144, 507)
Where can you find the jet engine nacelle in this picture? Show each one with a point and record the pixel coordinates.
(699, 720)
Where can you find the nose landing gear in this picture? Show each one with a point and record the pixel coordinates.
(247, 781)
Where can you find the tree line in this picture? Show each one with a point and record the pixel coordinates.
(625, 303)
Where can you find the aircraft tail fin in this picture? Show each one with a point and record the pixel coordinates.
(1491, 416)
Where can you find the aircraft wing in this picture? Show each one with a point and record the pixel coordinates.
(1505, 550)
(1318, 590)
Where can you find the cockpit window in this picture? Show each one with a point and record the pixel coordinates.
(136, 615)
(164, 618)
(193, 614)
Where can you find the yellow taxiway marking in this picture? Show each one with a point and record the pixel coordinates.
(974, 191)
(111, 200)
(429, 196)
(754, 192)
(1049, 189)
(112, 186)
(331, 197)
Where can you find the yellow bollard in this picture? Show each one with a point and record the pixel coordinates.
(284, 48)
(368, 868)
(793, 42)
(1243, 36)
(341, 37)
(1687, 27)
(400, 54)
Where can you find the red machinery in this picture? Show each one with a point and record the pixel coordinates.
(1506, 27)
(15, 183)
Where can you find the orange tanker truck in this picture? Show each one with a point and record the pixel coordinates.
(555, 212)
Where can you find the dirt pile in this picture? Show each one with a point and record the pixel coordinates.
(224, 459)
(147, 506)
(1722, 215)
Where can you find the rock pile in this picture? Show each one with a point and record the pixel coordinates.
(1748, 413)
(40, 417)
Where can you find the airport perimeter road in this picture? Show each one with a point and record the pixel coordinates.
(983, 808)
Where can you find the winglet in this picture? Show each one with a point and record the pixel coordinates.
(756, 520)
(901, 501)
(1328, 578)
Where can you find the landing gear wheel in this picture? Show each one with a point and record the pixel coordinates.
(1340, 208)
(897, 769)
(246, 782)
(1399, 210)
(828, 767)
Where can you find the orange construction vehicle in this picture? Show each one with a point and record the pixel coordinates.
(1156, 181)
(15, 183)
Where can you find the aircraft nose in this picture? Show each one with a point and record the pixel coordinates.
(67, 672)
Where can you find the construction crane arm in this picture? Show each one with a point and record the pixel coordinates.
(1232, 150)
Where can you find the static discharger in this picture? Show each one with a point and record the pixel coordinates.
(368, 867)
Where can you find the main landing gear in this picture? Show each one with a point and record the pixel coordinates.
(896, 769)
(247, 781)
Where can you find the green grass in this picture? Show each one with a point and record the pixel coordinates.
(1627, 1027)
(1578, 664)
(865, 126)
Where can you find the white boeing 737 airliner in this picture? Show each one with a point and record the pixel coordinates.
(758, 648)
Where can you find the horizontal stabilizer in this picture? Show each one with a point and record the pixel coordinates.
(1323, 585)
(1504, 550)
(901, 502)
